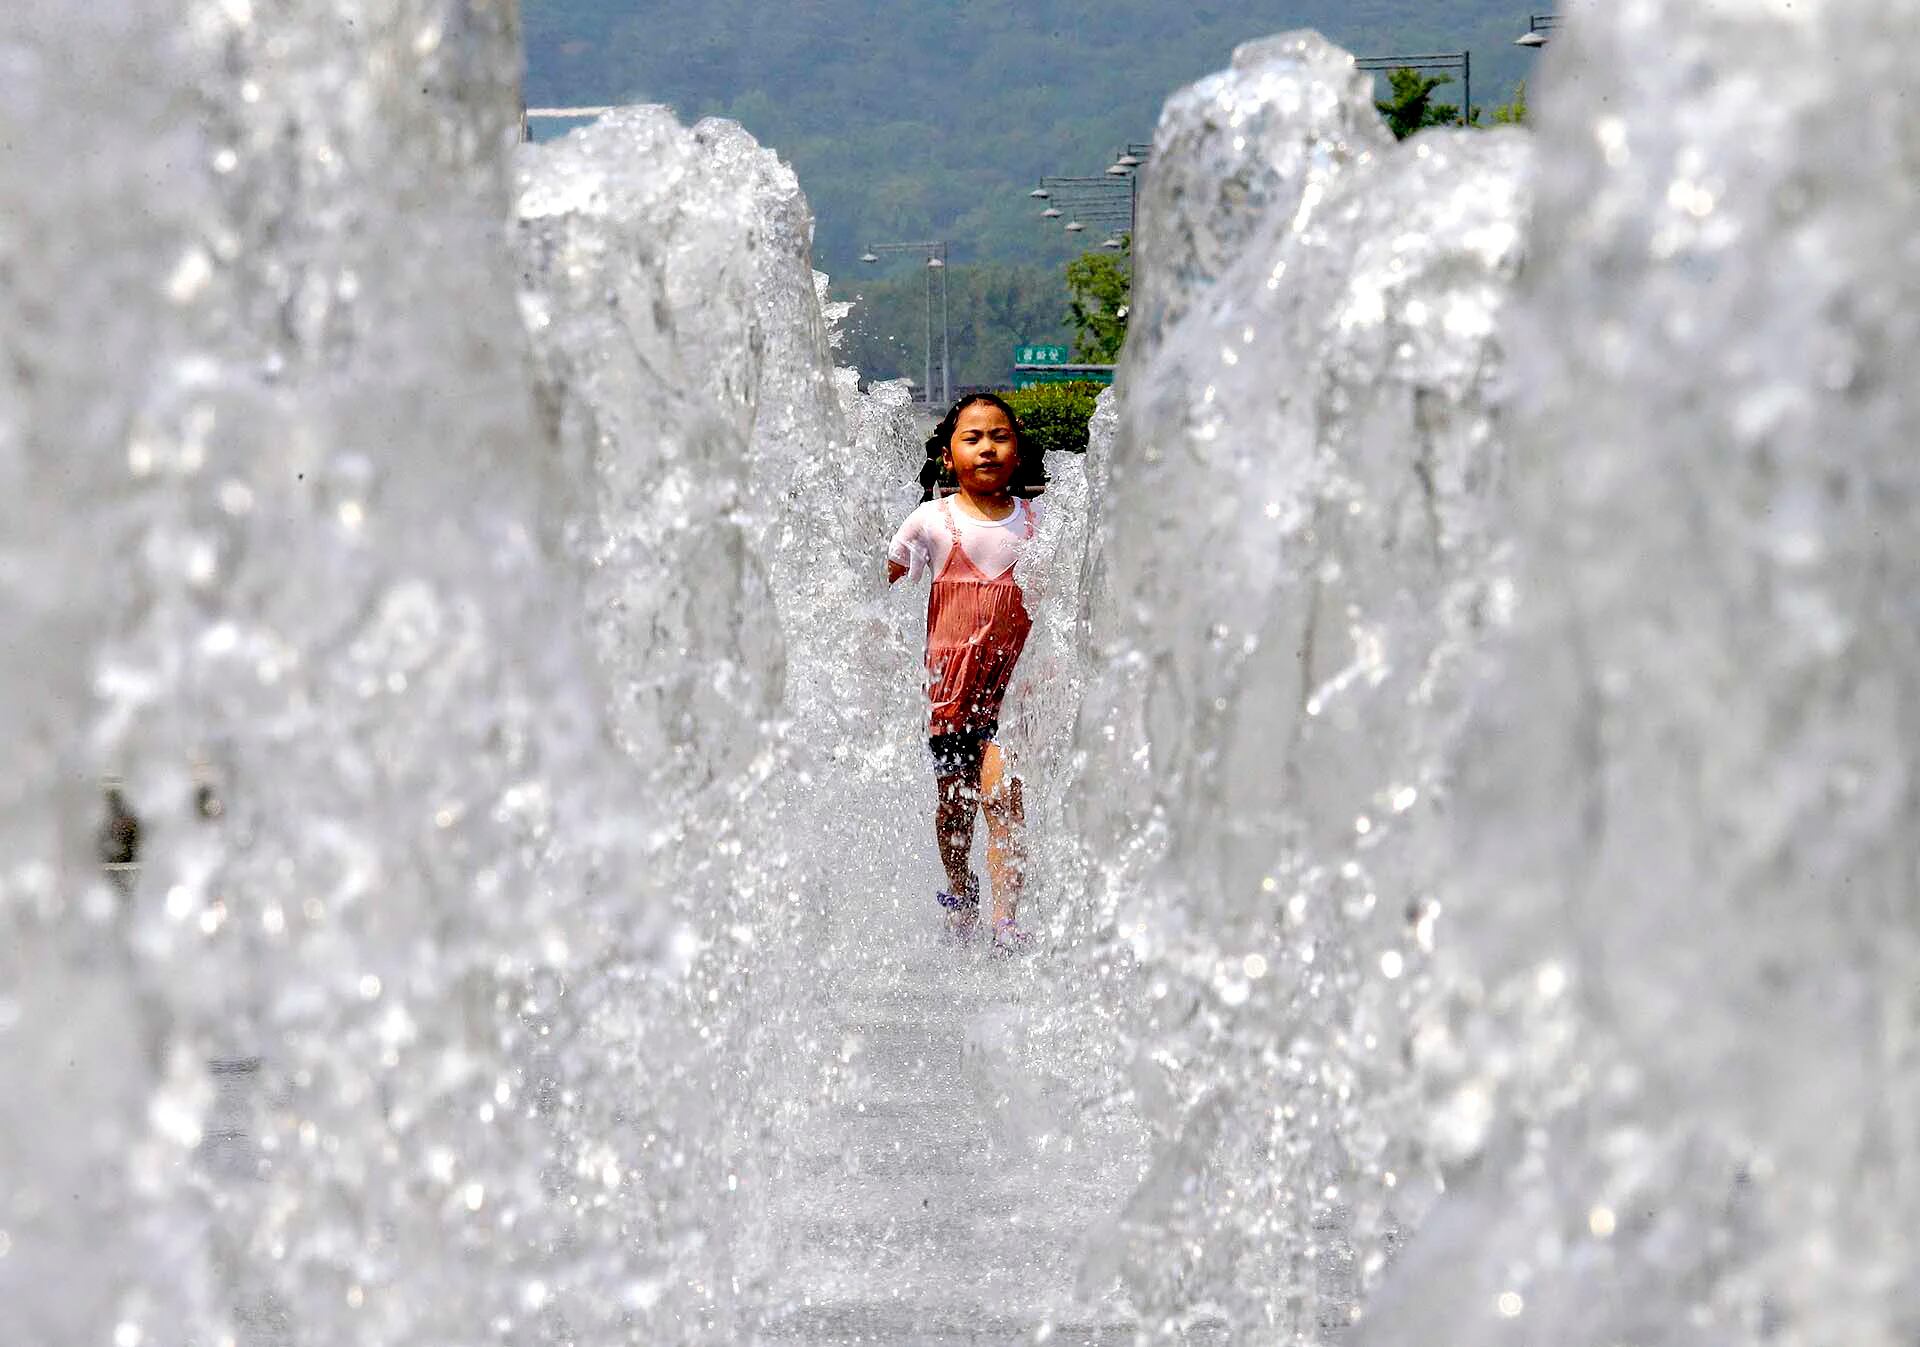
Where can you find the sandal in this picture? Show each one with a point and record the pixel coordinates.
(962, 909)
(1009, 938)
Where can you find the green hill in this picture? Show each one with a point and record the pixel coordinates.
(933, 121)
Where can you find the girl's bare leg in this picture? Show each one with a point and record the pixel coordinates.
(953, 810)
(1006, 833)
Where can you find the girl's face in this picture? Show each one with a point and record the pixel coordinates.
(982, 452)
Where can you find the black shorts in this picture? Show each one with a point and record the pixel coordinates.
(959, 753)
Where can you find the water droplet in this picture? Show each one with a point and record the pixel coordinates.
(236, 497)
(1551, 980)
(189, 276)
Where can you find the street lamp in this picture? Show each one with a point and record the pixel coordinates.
(1539, 26)
(936, 254)
(1132, 155)
(1098, 200)
(528, 115)
(1444, 60)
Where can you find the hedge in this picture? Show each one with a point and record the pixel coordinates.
(1054, 416)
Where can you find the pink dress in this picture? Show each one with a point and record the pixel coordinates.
(977, 626)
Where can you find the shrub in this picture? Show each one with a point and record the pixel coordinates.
(1054, 416)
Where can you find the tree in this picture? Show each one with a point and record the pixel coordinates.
(1410, 106)
(1515, 112)
(1099, 285)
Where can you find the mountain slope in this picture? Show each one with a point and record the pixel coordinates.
(920, 121)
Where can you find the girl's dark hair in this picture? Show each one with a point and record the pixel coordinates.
(1029, 476)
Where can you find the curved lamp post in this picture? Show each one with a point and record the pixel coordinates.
(1540, 28)
(936, 254)
(582, 114)
(1097, 199)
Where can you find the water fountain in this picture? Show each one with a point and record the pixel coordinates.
(1313, 396)
(306, 572)
(1465, 718)
(1680, 875)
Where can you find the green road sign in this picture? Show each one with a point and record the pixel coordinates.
(1030, 354)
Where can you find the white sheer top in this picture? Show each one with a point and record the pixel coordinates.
(993, 545)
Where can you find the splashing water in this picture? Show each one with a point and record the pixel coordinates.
(1278, 703)
(316, 581)
(1462, 721)
(1682, 871)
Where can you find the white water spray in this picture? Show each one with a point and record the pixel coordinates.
(1464, 715)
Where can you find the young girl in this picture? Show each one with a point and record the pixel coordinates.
(977, 624)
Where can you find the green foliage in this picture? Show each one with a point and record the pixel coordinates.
(1512, 113)
(1409, 104)
(1054, 416)
(1098, 285)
